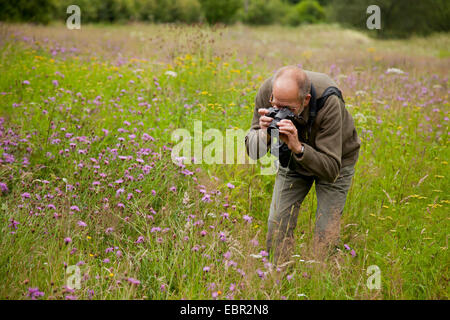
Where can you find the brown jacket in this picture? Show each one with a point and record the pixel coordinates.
(334, 142)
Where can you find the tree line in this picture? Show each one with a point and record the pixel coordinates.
(399, 18)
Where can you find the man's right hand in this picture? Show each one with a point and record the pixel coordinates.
(264, 121)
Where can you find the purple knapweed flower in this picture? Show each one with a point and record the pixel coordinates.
(26, 195)
(82, 223)
(119, 192)
(264, 253)
(34, 293)
(3, 187)
(133, 281)
(140, 239)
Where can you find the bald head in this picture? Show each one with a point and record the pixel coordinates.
(290, 88)
(292, 78)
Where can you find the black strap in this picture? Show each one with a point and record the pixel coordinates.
(316, 104)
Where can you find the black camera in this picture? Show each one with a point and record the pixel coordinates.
(280, 149)
(278, 115)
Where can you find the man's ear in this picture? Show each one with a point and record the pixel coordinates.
(307, 98)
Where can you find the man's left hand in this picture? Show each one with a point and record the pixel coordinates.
(288, 134)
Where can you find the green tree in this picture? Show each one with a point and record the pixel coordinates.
(220, 10)
(399, 18)
(306, 11)
(38, 11)
(264, 12)
(187, 11)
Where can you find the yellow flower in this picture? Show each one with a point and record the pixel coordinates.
(88, 237)
(111, 274)
(307, 54)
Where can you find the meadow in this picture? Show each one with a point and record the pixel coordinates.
(88, 187)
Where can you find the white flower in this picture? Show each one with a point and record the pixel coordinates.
(395, 70)
(171, 73)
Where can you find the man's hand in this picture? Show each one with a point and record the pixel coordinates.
(288, 134)
(264, 122)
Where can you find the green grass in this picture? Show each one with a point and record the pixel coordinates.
(396, 215)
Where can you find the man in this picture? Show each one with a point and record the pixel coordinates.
(323, 150)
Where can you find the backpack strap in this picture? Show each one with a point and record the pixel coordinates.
(316, 104)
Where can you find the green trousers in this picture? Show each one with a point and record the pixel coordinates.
(289, 192)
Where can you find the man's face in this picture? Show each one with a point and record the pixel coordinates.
(292, 103)
(285, 94)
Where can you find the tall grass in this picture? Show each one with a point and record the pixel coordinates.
(85, 136)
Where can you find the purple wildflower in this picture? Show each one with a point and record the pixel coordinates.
(34, 293)
(3, 187)
(82, 224)
(140, 239)
(119, 191)
(264, 253)
(133, 281)
(13, 224)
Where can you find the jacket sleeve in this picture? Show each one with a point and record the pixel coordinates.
(256, 142)
(324, 161)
